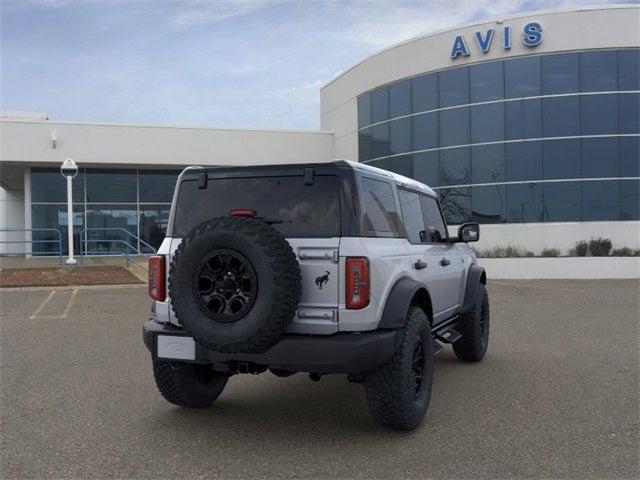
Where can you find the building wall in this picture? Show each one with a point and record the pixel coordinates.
(11, 217)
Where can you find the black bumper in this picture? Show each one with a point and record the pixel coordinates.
(339, 353)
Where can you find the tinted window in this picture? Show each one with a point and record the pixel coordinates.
(306, 210)
(119, 219)
(630, 200)
(424, 92)
(562, 201)
(599, 114)
(402, 165)
(600, 157)
(523, 119)
(412, 216)
(561, 159)
(400, 99)
(630, 157)
(523, 161)
(487, 82)
(48, 185)
(426, 168)
(456, 204)
(454, 127)
(598, 71)
(157, 187)
(380, 140)
(52, 216)
(380, 215)
(487, 123)
(487, 204)
(629, 70)
(364, 110)
(112, 186)
(379, 105)
(433, 218)
(400, 135)
(425, 131)
(454, 166)
(153, 224)
(561, 116)
(487, 164)
(453, 87)
(629, 113)
(600, 201)
(560, 73)
(524, 203)
(522, 77)
(365, 147)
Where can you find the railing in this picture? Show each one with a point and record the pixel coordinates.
(132, 244)
(31, 241)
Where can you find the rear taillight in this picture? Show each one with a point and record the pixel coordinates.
(156, 277)
(358, 286)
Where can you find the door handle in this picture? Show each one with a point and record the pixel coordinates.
(419, 265)
(445, 261)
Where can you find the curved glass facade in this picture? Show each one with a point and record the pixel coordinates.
(545, 138)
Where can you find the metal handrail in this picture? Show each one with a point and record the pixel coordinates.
(32, 241)
(119, 229)
(118, 241)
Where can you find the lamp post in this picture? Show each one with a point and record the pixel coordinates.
(69, 169)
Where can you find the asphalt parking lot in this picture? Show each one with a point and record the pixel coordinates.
(556, 397)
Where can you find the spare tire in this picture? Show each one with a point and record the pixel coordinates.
(234, 284)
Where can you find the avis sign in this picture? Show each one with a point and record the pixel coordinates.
(531, 37)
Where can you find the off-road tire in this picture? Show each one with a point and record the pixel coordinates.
(187, 384)
(474, 327)
(391, 391)
(278, 284)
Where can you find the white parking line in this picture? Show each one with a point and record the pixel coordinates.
(36, 315)
(42, 305)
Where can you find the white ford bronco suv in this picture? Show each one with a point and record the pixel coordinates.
(320, 268)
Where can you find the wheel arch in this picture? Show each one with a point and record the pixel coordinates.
(404, 294)
(475, 277)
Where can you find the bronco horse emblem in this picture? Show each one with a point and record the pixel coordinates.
(322, 279)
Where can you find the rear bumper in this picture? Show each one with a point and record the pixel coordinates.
(351, 353)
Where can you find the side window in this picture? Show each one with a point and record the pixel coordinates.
(380, 215)
(433, 218)
(412, 216)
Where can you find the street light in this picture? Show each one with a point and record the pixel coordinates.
(69, 169)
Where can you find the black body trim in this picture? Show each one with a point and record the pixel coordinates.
(474, 277)
(396, 309)
(351, 353)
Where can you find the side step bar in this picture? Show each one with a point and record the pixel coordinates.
(444, 332)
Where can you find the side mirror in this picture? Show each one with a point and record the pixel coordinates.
(469, 232)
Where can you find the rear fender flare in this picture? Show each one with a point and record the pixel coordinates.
(399, 300)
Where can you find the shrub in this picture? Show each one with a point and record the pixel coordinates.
(550, 252)
(625, 252)
(581, 248)
(600, 247)
(505, 252)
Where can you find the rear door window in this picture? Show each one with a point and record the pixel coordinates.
(433, 218)
(414, 223)
(297, 210)
(380, 214)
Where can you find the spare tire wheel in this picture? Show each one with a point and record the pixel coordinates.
(234, 284)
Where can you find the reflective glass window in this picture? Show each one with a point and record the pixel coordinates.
(364, 110)
(630, 156)
(412, 216)
(54, 217)
(379, 105)
(600, 200)
(600, 157)
(400, 135)
(425, 131)
(487, 123)
(487, 164)
(380, 215)
(157, 187)
(562, 201)
(400, 98)
(560, 73)
(117, 219)
(524, 203)
(487, 204)
(599, 114)
(629, 113)
(424, 92)
(153, 224)
(426, 168)
(453, 87)
(487, 81)
(630, 200)
(402, 165)
(49, 186)
(380, 140)
(522, 77)
(433, 218)
(454, 166)
(523, 161)
(629, 69)
(456, 204)
(523, 119)
(454, 127)
(599, 71)
(365, 147)
(561, 116)
(561, 159)
(112, 186)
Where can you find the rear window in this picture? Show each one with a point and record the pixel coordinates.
(305, 210)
